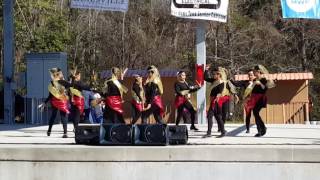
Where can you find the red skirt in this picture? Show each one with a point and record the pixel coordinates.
(61, 105)
(158, 102)
(79, 103)
(220, 101)
(138, 106)
(115, 103)
(179, 101)
(253, 100)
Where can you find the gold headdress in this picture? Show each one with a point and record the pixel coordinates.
(54, 73)
(261, 68)
(55, 88)
(74, 71)
(116, 72)
(224, 79)
(223, 72)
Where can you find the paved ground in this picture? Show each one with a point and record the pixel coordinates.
(287, 152)
(288, 134)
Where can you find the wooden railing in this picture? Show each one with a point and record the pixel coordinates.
(286, 113)
(295, 112)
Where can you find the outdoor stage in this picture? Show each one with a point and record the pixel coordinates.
(286, 152)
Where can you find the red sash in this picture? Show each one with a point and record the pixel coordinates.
(158, 102)
(220, 101)
(61, 105)
(115, 103)
(179, 101)
(137, 105)
(78, 102)
(253, 100)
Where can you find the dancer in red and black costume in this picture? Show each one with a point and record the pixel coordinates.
(248, 86)
(138, 98)
(153, 92)
(58, 99)
(77, 99)
(183, 90)
(246, 98)
(220, 96)
(258, 98)
(113, 91)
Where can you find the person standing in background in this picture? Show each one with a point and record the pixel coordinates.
(88, 97)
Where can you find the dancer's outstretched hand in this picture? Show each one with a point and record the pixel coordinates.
(207, 66)
(198, 84)
(124, 73)
(148, 107)
(41, 107)
(237, 99)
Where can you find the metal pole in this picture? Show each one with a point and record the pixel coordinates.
(123, 34)
(25, 110)
(32, 111)
(201, 59)
(8, 43)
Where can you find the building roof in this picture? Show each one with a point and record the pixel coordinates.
(131, 72)
(279, 76)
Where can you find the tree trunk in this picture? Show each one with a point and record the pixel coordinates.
(303, 49)
(216, 44)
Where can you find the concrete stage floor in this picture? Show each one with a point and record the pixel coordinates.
(287, 134)
(285, 152)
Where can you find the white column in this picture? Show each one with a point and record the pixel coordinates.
(201, 59)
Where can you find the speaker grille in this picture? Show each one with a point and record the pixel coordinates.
(87, 134)
(116, 134)
(121, 134)
(150, 134)
(178, 134)
(155, 133)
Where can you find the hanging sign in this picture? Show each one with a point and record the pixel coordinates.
(215, 10)
(309, 9)
(105, 5)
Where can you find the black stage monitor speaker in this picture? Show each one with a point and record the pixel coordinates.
(116, 134)
(87, 134)
(178, 134)
(151, 134)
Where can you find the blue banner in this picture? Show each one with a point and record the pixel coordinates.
(301, 9)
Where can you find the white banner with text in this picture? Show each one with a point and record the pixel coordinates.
(214, 10)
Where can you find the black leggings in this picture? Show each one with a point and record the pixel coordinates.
(248, 117)
(63, 117)
(74, 116)
(256, 110)
(86, 115)
(112, 116)
(136, 114)
(155, 110)
(187, 105)
(220, 115)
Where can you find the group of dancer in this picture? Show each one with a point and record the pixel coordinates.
(223, 90)
(67, 98)
(60, 91)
